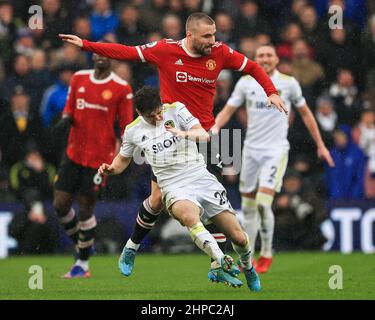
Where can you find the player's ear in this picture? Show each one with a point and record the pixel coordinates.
(138, 112)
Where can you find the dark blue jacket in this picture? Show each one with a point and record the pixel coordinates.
(346, 179)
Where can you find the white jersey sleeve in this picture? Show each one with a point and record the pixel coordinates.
(238, 95)
(296, 96)
(185, 119)
(127, 146)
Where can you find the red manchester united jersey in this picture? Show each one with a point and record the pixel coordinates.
(184, 76)
(94, 106)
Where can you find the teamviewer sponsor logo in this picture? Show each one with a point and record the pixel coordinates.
(181, 76)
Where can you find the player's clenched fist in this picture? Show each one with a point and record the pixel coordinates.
(106, 169)
(72, 39)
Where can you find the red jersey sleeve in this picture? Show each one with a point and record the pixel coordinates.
(70, 100)
(151, 52)
(234, 60)
(125, 108)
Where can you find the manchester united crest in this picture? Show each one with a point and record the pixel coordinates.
(210, 64)
(107, 94)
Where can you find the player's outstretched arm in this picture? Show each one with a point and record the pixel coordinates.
(312, 126)
(118, 165)
(110, 50)
(222, 118)
(196, 133)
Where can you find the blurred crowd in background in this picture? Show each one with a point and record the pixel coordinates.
(335, 67)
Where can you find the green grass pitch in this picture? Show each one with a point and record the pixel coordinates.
(292, 276)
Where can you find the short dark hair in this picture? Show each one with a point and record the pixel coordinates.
(147, 99)
(196, 17)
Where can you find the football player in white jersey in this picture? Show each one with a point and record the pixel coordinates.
(167, 135)
(265, 151)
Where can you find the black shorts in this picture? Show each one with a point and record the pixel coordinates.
(213, 167)
(74, 178)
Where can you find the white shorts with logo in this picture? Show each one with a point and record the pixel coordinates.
(206, 192)
(262, 169)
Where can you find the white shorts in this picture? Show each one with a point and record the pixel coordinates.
(206, 192)
(262, 169)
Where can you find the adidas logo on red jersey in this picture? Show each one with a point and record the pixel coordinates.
(179, 62)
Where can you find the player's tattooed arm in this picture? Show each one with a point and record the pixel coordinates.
(196, 133)
(118, 165)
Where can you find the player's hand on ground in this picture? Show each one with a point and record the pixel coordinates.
(324, 154)
(72, 39)
(175, 132)
(275, 99)
(105, 169)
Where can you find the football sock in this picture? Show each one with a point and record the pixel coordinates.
(84, 264)
(131, 245)
(220, 239)
(87, 232)
(205, 241)
(251, 219)
(69, 221)
(267, 223)
(145, 221)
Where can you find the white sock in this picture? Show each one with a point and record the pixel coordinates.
(205, 241)
(244, 254)
(84, 264)
(251, 219)
(267, 223)
(131, 245)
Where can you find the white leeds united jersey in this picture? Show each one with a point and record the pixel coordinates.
(267, 128)
(173, 160)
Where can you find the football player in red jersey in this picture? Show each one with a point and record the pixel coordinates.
(96, 99)
(188, 70)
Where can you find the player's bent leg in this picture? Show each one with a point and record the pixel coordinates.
(148, 213)
(264, 199)
(62, 203)
(188, 214)
(241, 244)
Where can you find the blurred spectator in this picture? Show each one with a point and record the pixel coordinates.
(344, 92)
(368, 54)
(285, 66)
(40, 76)
(326, 118)
(6, 194)
(55, 96)
(130, 30)
(36, 231)
(224, 85)
(24, 43)
(262, 39)
(172, 27)
(151, 15)
(56, 19)
(249, 21)
(297, 7)
(32, 178)
(364, 136)
(311, 29)
(103, 20)
(225, 29)
(339, 53)
(298, 214)
(124, 71)
(19, 128)
(82, 27)
(354, 10)
(247, 46)
(20, 76)
(7, 33)
(290, 33)
(68, 54)
(191, 6)
(346, 179)
(308, 72)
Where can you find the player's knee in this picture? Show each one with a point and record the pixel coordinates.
(188, 219)
(238, 237)
(61, 207)
(156, 202)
